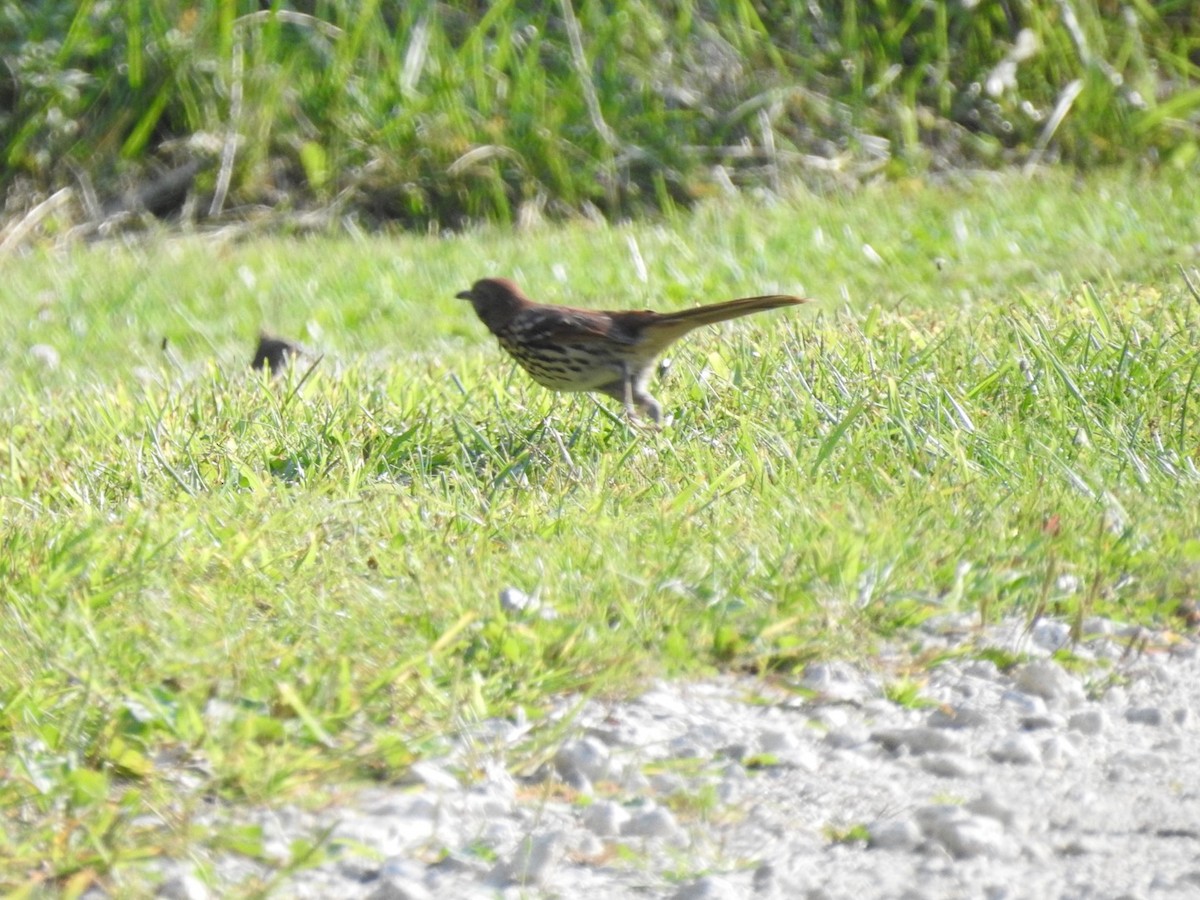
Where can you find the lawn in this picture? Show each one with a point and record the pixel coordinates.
(216, 584)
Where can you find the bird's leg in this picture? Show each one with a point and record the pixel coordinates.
(630, 391)
(640, 397)
(649, 405)
(627, 387)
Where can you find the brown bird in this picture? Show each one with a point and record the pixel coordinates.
(567, 349)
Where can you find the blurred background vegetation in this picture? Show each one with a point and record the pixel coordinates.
(434, 114)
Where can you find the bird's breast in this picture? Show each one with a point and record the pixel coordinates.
(565, 366)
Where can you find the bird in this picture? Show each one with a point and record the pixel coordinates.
(274, 352)
(613, 353)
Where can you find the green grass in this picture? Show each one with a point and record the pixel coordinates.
(271, 588)
(426, 112)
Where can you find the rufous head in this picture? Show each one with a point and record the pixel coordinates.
(496, 300)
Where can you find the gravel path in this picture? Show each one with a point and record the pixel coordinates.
(1032, 783)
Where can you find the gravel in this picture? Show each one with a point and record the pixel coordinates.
(1041, 781)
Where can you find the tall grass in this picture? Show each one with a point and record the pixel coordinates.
(426, 112)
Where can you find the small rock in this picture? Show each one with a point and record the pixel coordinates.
(499, 832)
(949, 765)
(1049, 681)
(183, 887)
(831, 717)
(1098, 626)
(395, 887)
(1018, 749)
(964, 835)
(403, 867)
(1126, 761)
(710, 887)
(987, 805)
(764, 879)
(736, 752)
(587, 758)
(732, 785)
(460, 863)
(1051, 635)
(685, 748)
(1088, 721)
(835, 681)
(983, 669)
(668, 784)
(786, 747)
(1040, 723)
(849, 737)
(917, 740)
(1068, 583)
(656, 822)
(1144, 715)
(605, 818)
(515, 602)
(48, 357)
(432, 776)
(1025, 704)
(588, 845)
(532, 861)
(1075, 847)
(358, 868)
(957, 717)
(731, 790)
(893, 834)
(634, 780)
(1057, 751)
(774, 740)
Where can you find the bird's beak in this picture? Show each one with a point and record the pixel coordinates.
(464, 295)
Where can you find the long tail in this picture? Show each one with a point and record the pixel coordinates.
(730, 309)
(669, 327)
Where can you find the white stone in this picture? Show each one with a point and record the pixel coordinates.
(586, 757)
(894, 834)
(532, 861)
(46, 355)
(1058, 751)
(1049, 681)
(848, 737)
(918, 740)
(964, 835)
(987, 804)
(835, 681)
(668, 784)
(710, 887)
(1098, 625)
(588, 845)
(1126, 761)
(1043, 722)
(1088, 721)
(516, 602)
(398, 888)
(183, 887)
(1019, 749)
(774, 740)
(831, 717)
(1025, 704)
(655, 822)
(433, 776)
(949, 765)
(961, 716)
(1051, 635)
(1145, 715)
(983, 669)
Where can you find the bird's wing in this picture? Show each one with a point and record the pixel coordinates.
(577, 327)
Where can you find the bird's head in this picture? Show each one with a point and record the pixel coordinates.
(496, 300)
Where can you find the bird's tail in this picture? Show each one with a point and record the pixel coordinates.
(687, 319)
